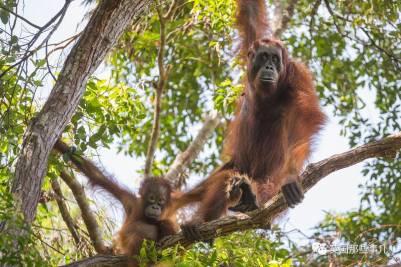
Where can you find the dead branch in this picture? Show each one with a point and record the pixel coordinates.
(87, 215)
(261, 218)
(282, 16)
(65, 214)
(185, 158)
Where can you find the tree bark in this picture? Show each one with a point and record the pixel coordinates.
(106, 25)
(261, 218)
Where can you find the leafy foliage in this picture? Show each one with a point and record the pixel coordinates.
(198, 56)
(250, 248)
(106, 113)
(26, 249)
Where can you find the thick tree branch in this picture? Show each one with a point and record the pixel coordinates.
(86, 212)
(185, 158)
(261, 218)
(100, 261)
(64, 211)
(313, 173)
(106, 25)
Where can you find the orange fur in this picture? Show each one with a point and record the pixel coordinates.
(271, 135)
(136, 226)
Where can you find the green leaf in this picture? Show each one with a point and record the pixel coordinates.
(4, 16)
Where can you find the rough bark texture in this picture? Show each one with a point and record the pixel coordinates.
(106, 25)
(261, 218)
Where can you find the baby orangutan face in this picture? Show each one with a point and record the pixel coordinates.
(155, 201)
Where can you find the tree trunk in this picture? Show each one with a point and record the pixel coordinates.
(106, 25)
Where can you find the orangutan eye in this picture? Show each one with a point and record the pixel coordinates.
(264, 56)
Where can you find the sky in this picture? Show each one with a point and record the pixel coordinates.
(336, 193)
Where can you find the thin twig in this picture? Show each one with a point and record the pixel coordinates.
(171, 10)
(29, 53)
(393, 57)
(47, 244)
(20, 17)
(154, 137)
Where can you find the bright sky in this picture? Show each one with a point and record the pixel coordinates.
(338, 192)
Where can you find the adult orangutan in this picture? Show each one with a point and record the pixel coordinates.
(270, 138)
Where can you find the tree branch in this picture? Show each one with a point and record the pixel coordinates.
(261, 218)
(313, 173)
(28, 53)
(282, 16)
(64, 211)
(154, 137)
(100, 261)
(86, 212)
(89, 169)
(171, 10)
(186, 157)
(20, 17)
